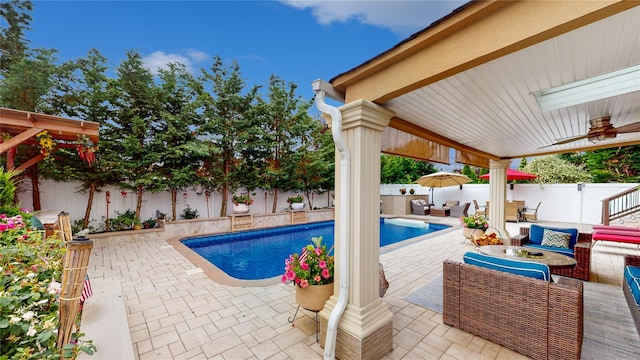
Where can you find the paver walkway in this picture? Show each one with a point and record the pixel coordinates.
(175, 311)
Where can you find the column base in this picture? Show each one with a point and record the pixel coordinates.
(370, 343)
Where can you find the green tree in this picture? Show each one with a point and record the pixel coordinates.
(25, 86)
(554, 170)
(314, 170)
(130, 135)
(403, 170)
(473, 175)
(620, 164)
(13, 45)
(81, 92)
(288, 135)
(177, 146)
(227, 106)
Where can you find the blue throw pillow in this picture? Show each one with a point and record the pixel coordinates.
(536, 232)
(526, 268)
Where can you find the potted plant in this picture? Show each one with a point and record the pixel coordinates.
(137, 224)
(403, 191)
(296, 202)
(241, 203)
(474, 225)
(311, 272)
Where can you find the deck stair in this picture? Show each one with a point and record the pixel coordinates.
(622, 209)
(631, 220)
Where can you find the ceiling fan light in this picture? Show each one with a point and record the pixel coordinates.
(601, 136)
(604, 86)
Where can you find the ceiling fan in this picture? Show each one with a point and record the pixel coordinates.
(601, 129)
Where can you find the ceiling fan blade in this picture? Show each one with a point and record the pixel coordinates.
(630, 128)
(566, 141)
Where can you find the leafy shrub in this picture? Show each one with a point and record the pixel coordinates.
(189, 213)
(149, 224)
(30, 268)
(122, 221)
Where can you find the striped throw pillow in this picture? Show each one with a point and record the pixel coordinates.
(555, 239)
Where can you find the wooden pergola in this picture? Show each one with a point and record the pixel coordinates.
(23, 126)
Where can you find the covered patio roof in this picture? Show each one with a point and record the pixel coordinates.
(482, 81)
(471, 81)
(23, 126)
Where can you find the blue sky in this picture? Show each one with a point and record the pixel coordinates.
(299, 41)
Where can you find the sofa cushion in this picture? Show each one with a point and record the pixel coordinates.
(632, 275)
(536, 232)
(525, 268)
(618, 230)
(555, 239)
(617, 238)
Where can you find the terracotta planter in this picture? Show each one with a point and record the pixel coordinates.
(313, 297)
(297, 206)
(240, 208)
(469, 233)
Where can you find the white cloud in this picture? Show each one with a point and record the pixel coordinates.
(161, 60)
(403, 17)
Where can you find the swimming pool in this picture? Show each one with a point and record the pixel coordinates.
(260, 254)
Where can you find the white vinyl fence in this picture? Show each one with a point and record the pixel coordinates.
(560, 202)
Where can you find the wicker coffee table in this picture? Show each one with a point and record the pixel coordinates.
(550, 258)
(440, 212)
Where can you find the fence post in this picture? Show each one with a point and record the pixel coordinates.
(73, 278)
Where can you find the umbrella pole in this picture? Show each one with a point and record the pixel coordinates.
(432, 201)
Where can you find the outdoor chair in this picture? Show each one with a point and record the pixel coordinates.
(533, 216)
(449, 204)
(419, 207)
(478, 211)
(459, 210)
(511, 211)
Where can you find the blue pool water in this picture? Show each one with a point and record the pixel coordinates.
(260, 254)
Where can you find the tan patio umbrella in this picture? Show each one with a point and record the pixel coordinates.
(442, 179)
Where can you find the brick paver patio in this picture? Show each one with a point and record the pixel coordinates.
(176, 311)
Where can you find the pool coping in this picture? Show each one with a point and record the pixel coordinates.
(212, 271)
(219, 276)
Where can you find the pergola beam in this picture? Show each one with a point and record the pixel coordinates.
(23, 126)
(19, 139)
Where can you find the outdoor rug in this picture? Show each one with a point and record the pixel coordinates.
(428, 296)
(609, 331)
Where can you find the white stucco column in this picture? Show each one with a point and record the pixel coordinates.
(365, 330)
(498, 194)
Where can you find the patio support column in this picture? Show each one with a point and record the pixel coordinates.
(498, 194)
(365, 330)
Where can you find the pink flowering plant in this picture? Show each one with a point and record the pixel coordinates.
(30, 273)
(313, 266)
(242, 199)
(474, 222)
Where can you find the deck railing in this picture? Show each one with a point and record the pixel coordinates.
(620, 205)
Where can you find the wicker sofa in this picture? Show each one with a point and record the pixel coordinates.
(580, 249)
(631, 286)
(541, 319)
